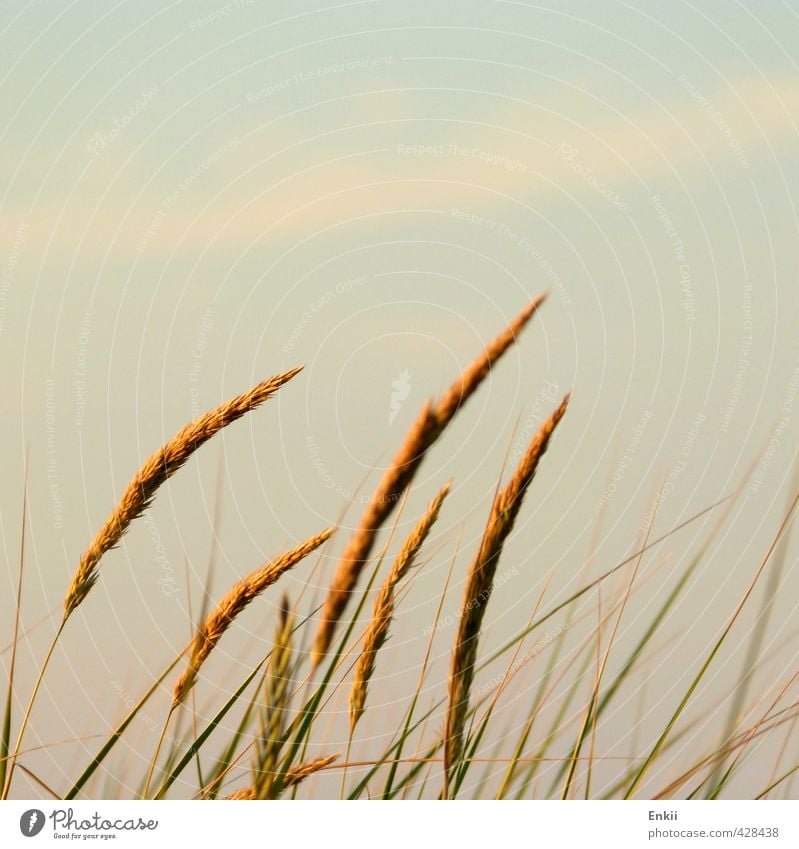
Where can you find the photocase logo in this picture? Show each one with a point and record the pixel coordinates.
(31, 822)
(66, 825)
(402, 389)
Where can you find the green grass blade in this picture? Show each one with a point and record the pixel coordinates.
(118, 732)
(716, 780)
(170, 779)
(392, 773)
(711, 656)
(5, 741)
(596, 582)
(304, 723)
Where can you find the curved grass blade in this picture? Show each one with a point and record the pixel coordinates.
(118, 732)
(5, 740)
(711, 656)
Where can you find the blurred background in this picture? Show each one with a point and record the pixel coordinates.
(198, 195)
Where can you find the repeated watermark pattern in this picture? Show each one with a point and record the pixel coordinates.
(522, 242)
(169, 202)
(717, 118)
(154, 725)
(10, 270)
(688, 303)
(570, 155)
(547, 396)
(318, 305)
(53, 480)
(784, 420)
(453, 618)
(321, 468)
(317, 72)
(217, 14)
(676, 471)
(625, 462)
(487, 157)
(197, 353)
(744, 353)
(80, 370)
(102, 139)
(167, 581)
(544, 643)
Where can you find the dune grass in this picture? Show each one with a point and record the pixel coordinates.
(533, 730)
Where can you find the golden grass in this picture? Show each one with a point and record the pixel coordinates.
(277, 689)
(157, 469)
(428, 427)
(233, 603)
(280, 746)
(296, 775)
(479, 584)
(377, 631)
